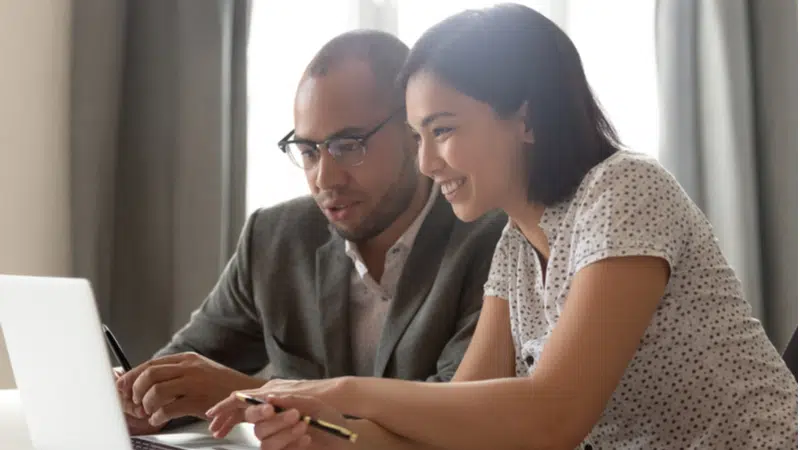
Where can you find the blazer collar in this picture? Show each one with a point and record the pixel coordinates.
(333, 293)
(416, 279)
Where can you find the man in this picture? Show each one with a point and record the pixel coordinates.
(371, 275)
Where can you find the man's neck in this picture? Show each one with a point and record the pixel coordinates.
(373, 251)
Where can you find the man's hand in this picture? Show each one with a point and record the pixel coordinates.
(139, 427)
(136, 426)
(138, 422)
(174, 386)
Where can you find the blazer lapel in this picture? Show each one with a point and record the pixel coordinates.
(416, 280)
(333, 291)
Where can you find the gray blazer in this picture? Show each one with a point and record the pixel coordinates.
(283, 298)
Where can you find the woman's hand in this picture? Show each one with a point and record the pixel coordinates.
(284, 430)
(229, 412)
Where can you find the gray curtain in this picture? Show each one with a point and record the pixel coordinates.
(728, 105)
(158, 135)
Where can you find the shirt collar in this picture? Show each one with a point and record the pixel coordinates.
(407, 238)
(404, 242)
(551, 219)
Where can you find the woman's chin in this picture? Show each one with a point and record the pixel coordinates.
(467, 212)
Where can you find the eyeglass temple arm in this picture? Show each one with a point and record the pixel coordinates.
(286, 138)
(373, 131)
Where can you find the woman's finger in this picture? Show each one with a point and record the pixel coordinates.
(309, 406)
(228, 405)
(301, 444)
(258, 413)
(263, 429)
(223, 426)
(285, 438)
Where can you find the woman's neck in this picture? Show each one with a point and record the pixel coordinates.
(526, 216)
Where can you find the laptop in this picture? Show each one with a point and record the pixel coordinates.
(63, 372)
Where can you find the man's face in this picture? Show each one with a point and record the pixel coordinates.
(360, 201)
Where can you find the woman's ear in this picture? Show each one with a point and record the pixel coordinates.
(526, 128)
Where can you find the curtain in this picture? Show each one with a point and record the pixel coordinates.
(728, 106)
(157, 146)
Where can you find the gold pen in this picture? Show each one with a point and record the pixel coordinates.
(327, 427)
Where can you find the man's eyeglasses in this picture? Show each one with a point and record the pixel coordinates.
(346, 150)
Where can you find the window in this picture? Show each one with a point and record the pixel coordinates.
(284, 37)
(616, 40)
(416, 16)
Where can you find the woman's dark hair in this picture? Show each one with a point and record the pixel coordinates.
(510, 54)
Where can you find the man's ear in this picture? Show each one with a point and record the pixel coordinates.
(523, 116)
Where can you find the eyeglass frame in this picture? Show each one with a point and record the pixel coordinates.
(361, 139)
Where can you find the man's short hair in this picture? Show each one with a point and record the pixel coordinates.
(383, 52)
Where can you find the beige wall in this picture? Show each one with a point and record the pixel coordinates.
(34, 169)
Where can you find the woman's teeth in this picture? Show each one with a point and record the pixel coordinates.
(451, 186)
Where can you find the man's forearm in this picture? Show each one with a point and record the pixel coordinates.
(232, 348)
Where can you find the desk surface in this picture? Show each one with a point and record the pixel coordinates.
(12, 422)
(14, 431)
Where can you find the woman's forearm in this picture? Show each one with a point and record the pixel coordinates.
(372, 436)
(496, 414)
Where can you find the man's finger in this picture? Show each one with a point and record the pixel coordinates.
(178, 408)
(153, 375)
(138, 427)
(131, 408)
(163, 393)
(128, 407)
(126, 381)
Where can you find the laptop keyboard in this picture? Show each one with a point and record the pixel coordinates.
(141, 444)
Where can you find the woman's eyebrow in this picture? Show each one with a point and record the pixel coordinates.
(433, 116)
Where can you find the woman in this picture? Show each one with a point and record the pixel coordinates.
(611, 319)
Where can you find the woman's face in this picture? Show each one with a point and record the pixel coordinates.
(474, 155)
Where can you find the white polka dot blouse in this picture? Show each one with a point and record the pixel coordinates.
(705, 374)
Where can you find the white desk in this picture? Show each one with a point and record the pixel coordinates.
(14, 431)
(12, 422)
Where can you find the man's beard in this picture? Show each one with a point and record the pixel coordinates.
(394, 202)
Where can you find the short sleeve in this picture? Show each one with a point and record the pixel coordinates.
(631, 206)
(498, 282)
